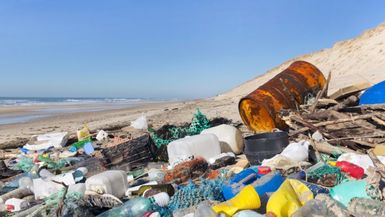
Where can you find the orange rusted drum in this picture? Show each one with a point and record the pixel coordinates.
(287, 90)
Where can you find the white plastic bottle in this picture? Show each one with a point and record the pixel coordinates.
(108, 182)
(230, 138)
(204, 145)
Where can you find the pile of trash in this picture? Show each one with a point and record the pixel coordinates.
(304, 154)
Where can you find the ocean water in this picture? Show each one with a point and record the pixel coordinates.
(14, 101)
(42, 107)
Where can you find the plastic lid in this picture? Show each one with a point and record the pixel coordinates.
(162, 199)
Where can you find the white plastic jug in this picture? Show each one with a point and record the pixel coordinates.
(108, 182)
(204, 145)
(230, 138)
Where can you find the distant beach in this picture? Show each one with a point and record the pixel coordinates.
(21, 110)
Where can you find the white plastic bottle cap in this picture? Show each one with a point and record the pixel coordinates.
(162, 199)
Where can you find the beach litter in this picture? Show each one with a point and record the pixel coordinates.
(304, 154)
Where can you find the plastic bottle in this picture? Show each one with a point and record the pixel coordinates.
(15, 204)
(230, 138)
(204, 145)
(204, 210)
(108, 182)
(137, 207)
(351, 169)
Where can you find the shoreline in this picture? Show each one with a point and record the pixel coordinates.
(157, 114)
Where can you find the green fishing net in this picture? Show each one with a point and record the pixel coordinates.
(25, 164)
(326, 170)
(51, 164)
(198, 124)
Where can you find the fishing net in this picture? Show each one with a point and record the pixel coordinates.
(193, 194)
(25, 164)
(51, 164)
(198, 124)
(327, 176)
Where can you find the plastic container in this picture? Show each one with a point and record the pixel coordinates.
(290, 88)
(374, 95)
(248, 213)
(78, 188)
(26, 182)
(262, 184)
(291, 196)
(265, 145)
(108, 182)
(247, 199)
(351, 169)
(346, 191)
(83, 133)
(204, 210)
(204, 145)
(230, 138)
(16, 205)
(362, 160)
(138, 206)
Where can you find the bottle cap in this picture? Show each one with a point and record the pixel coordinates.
(162, 199)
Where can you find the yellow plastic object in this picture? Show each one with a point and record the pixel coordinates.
(332, 163)
(248, 198)
(291, 196)
(83, 133)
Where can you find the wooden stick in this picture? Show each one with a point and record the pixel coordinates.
(17, 193)
(326, 123)
(380, 167)
(321, 93)
(327, 148)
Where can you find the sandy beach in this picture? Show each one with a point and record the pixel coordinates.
(158, 114)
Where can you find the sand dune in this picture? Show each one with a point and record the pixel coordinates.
(351, 61)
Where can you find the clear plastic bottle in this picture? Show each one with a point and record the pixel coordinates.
(138, 206)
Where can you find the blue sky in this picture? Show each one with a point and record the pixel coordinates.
(168, 48)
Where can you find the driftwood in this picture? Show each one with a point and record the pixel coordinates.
(327, 148)
(380, 167)
(321, 94)
(17, 193)
(325, 123)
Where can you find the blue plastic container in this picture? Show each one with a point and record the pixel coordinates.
(262, 184)
(374, 95)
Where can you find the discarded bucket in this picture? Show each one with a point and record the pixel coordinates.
(265, 145)
(290, 88)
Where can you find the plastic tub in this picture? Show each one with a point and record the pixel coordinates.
(265, 145)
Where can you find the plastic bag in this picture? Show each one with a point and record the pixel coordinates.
(140, 123)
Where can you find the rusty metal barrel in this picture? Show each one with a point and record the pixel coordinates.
(260, 109)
